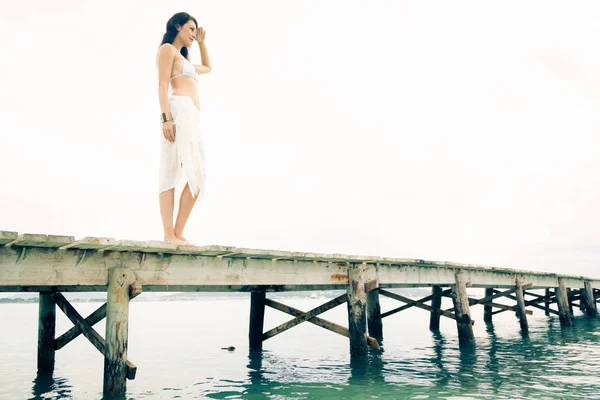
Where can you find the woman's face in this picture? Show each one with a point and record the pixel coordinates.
(187, 33)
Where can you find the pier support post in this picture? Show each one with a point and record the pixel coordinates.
(570, 295)
(436, 302)
(521, 311)
(461, 307)
(487, 308)
(46, 333)
(582, 307)
(374, 322)
(257, 319)
(587, 298)
(547, 302)
(562, 299)
(117, 324)
(357, 321)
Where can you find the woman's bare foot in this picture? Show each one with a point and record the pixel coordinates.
(176, 240)
(185, 241)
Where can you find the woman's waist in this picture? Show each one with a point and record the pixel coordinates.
(188, 93)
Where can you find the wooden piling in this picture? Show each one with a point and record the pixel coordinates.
(257, 319)
(487, 308)
(570, 296)
(46, 332)
(461, 308)
(374, 322)
(562, 300)
(117, 324)
(582, 306)
(547, 302)
(587, 298)
(521, 310)
(357, 322)
(436, 302)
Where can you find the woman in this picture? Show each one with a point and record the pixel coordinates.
(182, 144)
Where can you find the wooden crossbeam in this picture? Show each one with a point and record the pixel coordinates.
(534, 303)
(371, 341)
(305, 316)
(314, 320)
(88, 331)
(75, 331)
(413, 303)
(97, 316)
(539, 299)
(416, 304)
(488, 299)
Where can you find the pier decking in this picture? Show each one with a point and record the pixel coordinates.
(51, 264)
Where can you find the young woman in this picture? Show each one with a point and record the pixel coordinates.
(182, 145)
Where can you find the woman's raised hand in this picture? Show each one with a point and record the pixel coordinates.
(200, 34)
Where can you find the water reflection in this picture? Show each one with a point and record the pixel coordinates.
(503, 364)
(43, 385)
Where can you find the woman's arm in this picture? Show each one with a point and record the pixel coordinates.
(205, 67)
(166, 55)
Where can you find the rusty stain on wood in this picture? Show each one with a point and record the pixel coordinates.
(341, 278)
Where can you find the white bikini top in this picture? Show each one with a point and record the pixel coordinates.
(187, 69)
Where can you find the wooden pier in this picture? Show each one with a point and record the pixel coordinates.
(51, 265)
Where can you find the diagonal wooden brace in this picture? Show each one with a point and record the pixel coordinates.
(418, 305)
(331, 326)
(314, 320)
(488, 299)
(413, 303)
(95, 317)
(305, 316)
(75, 331)
(88, 331)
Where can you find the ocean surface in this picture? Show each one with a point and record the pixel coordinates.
(176, 345)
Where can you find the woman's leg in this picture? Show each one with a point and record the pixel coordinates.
(167, 204)
(186, 204)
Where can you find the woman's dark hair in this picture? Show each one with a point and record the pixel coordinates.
(176, 20)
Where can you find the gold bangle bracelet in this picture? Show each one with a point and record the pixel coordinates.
(164, 117)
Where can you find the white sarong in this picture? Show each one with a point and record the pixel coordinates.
(183, 161)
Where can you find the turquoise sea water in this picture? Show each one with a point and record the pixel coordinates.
(176, 346)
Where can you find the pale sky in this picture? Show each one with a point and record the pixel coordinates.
(451, 131)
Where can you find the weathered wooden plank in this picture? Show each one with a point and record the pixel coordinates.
(46, 332)
(415, 303)
(257, 319)
(154, 246)
(564, 314)
(7, 237)
(314, 320)
(94, 243)
(77, 270)
(436, 303)
(210, 250)
(256, 253)
(306, 316)
(464, 322)
(38, 240)
(357, 319)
